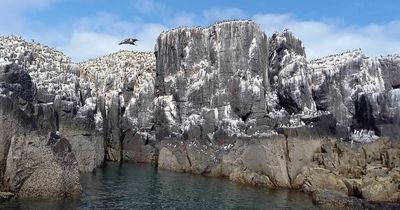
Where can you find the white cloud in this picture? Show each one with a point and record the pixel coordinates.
(89, 37)
(99, 35)
(148, 35)
(12, 14)
(84, 45)
(184, 19)
(326, 37)
(217, 14)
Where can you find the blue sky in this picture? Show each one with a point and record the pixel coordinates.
(86, 29)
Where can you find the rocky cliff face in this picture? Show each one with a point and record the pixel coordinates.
(288, 73)
(90, 107)
(232, 102)
(123, 84)
(210, 81)
(338, 80)
(226, 100)
(35, 160)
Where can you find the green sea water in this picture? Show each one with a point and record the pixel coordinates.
(131, 186)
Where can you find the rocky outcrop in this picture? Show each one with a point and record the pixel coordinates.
(36, 162)
(210, 81)
(123, 84)
(390, 71)
(224, 100)
(42, 169)
(288, 73)
(102, 108)
(56, 88)
(338, 80)
(6, 196)
(259, 113)
(359, 170)
(379, 111)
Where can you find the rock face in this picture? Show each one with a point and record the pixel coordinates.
(338, 80)
(123, 84)
(210, 79)
(379, 111)
(36, 162)
(288, 73)
(87, 107)
(226, 100)
(56, 88)
(258, 112)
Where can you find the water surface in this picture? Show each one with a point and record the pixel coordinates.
(142, 187)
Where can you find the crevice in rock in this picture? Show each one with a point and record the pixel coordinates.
(245, 117)
(396, 86)
(66, 111)
(290, 106)
(57, 120)
(123, 109)
(287, 160)
(188, 157)
(121, 140)
(81, 98)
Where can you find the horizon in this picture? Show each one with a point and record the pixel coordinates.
(88, 29)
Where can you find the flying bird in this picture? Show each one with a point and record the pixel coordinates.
(129, 41)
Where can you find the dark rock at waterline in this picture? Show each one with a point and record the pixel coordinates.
(333, 199)
(6, 196)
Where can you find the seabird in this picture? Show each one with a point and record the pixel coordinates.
(129, 41)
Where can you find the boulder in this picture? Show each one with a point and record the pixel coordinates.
(40, 166)
(269, 157)
(336, 200)
(173, 157)
(382, 188)
(319, 180)
(139, 148)
(245, 176)
(6, 196)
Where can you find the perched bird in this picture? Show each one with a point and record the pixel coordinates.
(129, 41)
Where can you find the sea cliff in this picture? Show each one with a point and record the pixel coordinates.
(226, 100)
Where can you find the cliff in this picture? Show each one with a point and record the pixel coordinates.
(226, 100)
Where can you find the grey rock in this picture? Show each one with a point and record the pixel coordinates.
(139, 148)
(37, 167)
(123, 84)
(379, 111)
(337, 80)
(333, 199)
(288, 73)
(219, 101)
(269, 158)
(390, 66)
(220, 69)
(300, 151)
(6, 196)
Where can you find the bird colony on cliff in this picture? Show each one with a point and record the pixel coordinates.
(225, 100)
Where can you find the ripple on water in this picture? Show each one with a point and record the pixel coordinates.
(142, 187)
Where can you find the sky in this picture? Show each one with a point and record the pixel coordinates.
(85, 29)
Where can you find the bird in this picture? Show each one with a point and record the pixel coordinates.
(129, 41)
